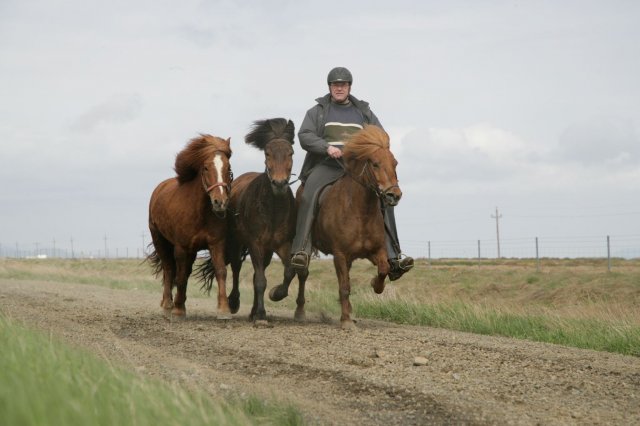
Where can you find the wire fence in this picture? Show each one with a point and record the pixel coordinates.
(617, 246)
(605, 246)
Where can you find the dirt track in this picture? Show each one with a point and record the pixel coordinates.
(337, 377)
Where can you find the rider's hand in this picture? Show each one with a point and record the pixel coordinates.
(334, 152)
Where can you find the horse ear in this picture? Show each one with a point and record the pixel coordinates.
(228, 141)
(290, 129)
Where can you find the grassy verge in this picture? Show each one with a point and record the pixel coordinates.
(573, 302)
(581, 333)
(44, 382)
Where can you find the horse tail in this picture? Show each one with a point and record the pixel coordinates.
(156, 263)
(205, 273)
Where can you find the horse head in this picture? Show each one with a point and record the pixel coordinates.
(216, 180)
(371, 163)
(278, 161)
(275, 137)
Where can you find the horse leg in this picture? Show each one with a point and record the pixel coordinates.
(217, 260)
(300, 300)
(164, 251)
(344, 290)
(234, 296)
(280, 292)
(184, 265)
(380, 260)
(260, 263)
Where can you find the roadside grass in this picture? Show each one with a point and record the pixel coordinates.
(573, 302)
(45, 382)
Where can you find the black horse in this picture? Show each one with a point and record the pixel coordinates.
(263, 218)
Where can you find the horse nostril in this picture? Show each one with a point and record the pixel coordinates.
(279, 183)
(392, 198)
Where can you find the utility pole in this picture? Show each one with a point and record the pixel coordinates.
(143, 248)
(72, 254)
(497, 218)
(106, 252)
(53, 254)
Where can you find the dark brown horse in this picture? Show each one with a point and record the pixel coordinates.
(349, 222)
(264, 216)
(187, 213)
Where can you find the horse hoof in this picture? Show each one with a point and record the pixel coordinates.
(348, 325)
(378, 288)
(179, 315)
(262, 324)
(299, 316)
(278, 293)
(223, 316)
(234, 305)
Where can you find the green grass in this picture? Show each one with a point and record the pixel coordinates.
(44, 382)
(573, 302)
(580, 333)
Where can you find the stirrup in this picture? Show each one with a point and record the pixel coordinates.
(300, 261)
(399, 265)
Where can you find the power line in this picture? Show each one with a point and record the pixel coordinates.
(497, 218)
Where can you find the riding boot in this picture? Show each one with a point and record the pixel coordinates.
(399, 262)
(321, 175)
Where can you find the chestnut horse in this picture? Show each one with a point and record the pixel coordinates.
(264, 217)
(349, 221)
(187, 213)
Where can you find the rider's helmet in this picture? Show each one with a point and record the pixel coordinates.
(339, 74)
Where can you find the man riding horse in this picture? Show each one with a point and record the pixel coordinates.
(326, 126)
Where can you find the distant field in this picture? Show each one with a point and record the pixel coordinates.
(574, 302)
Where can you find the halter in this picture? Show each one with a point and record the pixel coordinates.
(268, 173)
(370, 182)
(226, 186)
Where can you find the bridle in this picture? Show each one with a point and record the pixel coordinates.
(225, 185)
(369, 181)
(266, 168)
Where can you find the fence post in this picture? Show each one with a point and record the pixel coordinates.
(537, 257)
(608, 255)
(429, 253)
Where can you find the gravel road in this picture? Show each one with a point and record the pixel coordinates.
(336, 377)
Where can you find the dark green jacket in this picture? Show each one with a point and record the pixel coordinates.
(312, 129)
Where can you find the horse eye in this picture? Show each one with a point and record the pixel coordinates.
(376, 165)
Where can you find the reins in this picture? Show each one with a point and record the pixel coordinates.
(369, 183)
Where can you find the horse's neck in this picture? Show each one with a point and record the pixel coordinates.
(357, 194)
(267, 198)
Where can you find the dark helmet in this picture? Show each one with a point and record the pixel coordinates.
(339, 74)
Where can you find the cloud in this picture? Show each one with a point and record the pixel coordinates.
(601, 141)
(479, 153)
(115, 110)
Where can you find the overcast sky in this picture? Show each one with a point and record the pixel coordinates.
(532, 107)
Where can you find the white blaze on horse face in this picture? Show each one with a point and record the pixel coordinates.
(218, 164)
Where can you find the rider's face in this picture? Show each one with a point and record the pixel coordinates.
(340, 91)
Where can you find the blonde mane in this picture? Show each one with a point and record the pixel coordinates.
(366, 142)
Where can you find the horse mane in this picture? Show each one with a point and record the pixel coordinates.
(264, 131)
(365, 142)
(198, 150)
